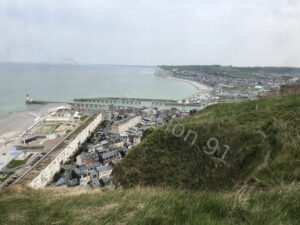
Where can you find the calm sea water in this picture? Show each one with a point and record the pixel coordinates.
(66, 82)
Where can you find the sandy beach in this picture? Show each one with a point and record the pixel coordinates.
(200, 87)
(16, 123)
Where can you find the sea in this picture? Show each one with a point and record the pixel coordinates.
(64, 82)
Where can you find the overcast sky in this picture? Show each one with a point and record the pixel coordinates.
(151, 32)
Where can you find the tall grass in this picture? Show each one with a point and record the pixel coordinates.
(150, 206)
(263, 137)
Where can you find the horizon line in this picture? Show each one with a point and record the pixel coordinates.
(71, 62)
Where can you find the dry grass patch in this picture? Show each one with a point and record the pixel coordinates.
(106, 209)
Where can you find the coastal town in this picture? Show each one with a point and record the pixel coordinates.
(114, 132)
(150, 112)
(229, 83)
(92, 164)
(77, 144)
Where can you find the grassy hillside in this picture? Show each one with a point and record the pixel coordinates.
(174, 179)
(149, 206)
(262, 137)
(235, 72)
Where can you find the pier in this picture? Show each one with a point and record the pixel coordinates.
(122, 103)
(40, 102)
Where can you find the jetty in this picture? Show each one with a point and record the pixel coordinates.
(122, 103)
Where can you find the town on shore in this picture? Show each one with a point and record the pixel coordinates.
(77, 144)
(228, 83)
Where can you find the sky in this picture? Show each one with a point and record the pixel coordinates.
(151, 32)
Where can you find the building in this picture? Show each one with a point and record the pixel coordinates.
(136, 140)
(147, 112)
(61, 115)
(107, 157)
(42, 173)
(87, 158)
(104, 170)
(123, 125)
(117, 144)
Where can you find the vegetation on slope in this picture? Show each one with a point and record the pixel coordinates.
(290, 89)
(263, 139)
(149, 206)
(235, 72)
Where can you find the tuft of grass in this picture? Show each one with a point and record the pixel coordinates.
(290, 89)
(149, 206)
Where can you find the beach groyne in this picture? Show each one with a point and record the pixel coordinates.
(40, 102)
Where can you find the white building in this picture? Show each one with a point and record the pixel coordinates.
(123, 125)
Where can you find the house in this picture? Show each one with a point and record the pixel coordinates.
(102, 150)
(104, 144)
(107, 157)
(95, 183)
(94, 174)
(105, 181)
(104, 170)
(61, 183)
(124, 137)
(135, 139)
(73, 182)
(244, 95)
(84, 180)
(117, 144)
(71, 178)
(87, 158)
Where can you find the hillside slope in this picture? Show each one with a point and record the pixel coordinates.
(149, 206)
(262, 137)
(256, 182)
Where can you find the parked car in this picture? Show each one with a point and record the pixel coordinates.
(10, 181)
(28, 166)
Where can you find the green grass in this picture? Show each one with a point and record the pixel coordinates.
(263, 137)
(150, 206)
(82, 118)
(47, 128)
(16, 163)
(234, 72)
(31, 147)
(166, 180)
(4, 178)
